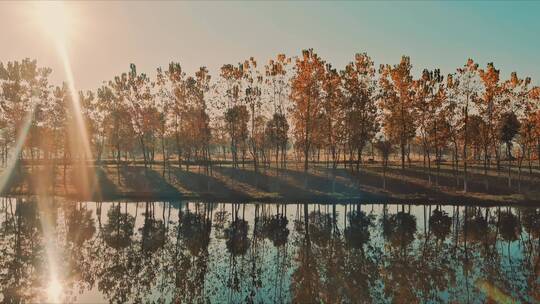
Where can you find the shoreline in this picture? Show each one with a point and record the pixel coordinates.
(235, 185)
(209, 198)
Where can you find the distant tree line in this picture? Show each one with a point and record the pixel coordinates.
(297, 109)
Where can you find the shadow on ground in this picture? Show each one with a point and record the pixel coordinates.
(204, 185)
(296, 185)
(146, 182)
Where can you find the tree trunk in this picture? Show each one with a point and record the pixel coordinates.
(465, 138)
(118, 162)
(429, 166)
(520, 162)
(529, 159)
(509, 152)
(498, 158)
(143, 147)
(486, 167)
(385, 164)
(402, 154)
(65, 166)
(359, 158)
(409, 154)
(163, 151)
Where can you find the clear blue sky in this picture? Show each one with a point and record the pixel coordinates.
(106, 37)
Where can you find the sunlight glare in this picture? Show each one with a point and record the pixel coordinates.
(54, 19)
(54, 291)
(57, 20)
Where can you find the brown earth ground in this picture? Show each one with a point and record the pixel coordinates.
(319, 184)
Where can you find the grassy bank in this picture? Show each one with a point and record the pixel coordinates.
(319, 184)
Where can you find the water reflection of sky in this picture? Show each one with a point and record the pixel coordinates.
(194, 252)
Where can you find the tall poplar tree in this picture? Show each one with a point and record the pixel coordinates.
(306, 95)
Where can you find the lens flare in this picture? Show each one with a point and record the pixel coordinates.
(46, 205)
(16, 150)
(54, 291)
(58, 21)
(493, 292)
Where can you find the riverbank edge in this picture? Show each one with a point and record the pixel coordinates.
(371, 198)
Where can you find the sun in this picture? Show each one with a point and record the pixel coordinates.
(55, 19)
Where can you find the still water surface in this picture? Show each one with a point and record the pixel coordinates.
(266, 253)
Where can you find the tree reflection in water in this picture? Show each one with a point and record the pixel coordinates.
(190, 255)
(360, 265)
(81, 229)
(237, 237)
(305, 284)
(274, 228)
(22, 252)
(440, 224)
(399, 275)
(197, 252)
(118, 231)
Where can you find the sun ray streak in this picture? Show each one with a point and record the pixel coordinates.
(54, 286)
(81, 143)
(75, 102)
(16, 150)
(57, 22)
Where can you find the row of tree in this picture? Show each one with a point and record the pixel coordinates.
(469, 115)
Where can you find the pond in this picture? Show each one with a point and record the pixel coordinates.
(90, 252)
